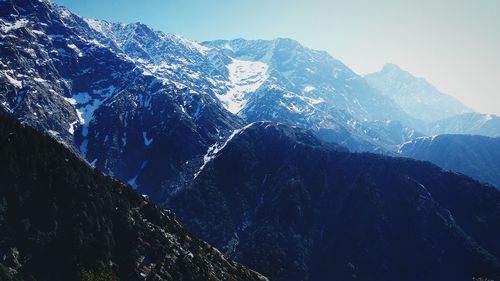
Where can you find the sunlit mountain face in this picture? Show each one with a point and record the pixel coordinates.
(280, 156)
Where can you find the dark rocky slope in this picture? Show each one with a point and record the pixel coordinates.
(279, 200)
(475, 156)
(61, 220)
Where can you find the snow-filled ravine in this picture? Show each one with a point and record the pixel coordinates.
(244, 77)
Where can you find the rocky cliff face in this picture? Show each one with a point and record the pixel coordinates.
(95, 92)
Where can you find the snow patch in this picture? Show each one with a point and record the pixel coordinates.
(97, 25)
(85, 104)
(309, 89)
(124, 139)
(245, 77)
(7, 27)
(291, 107)
(13, 81)
(316, 101)
(133, 182)
(72, 125)
(190, 44)
(71, 101)
(217, 147)
(53, 133)
(38, 32)
(228, 47)
(147, 141)
(193, 75)
(76, 50)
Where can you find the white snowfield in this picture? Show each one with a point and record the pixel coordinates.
(12, 80)
(7, 26)
(244, 77)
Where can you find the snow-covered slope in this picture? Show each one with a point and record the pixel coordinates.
(170, 57)
(245, 78)
(310, 73)
(97, 85)
(99, 88)
(416, 96)
(293, 84)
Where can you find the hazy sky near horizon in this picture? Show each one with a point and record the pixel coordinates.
(454, 44)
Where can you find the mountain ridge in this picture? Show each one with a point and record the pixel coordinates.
(468, 123)
(288, 205)
(415, 95)
(309, 88)
(59, 218)
(89, 94)
(475, 156)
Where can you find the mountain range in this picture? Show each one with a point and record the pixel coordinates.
(122, 94)
(468, 123)
(416, 96)
(286, 82)
(97, 100)
(475, 156)
(260, 146)
(294, 208)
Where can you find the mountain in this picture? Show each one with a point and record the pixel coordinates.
(296, 208)
(62, 220)
(168, 56)
(468, 123)
(416, 96)
(443, 113)
(144, 106)
(314, 75)
(175, 120)
(475, 156)
(91, 85)
(280, 80)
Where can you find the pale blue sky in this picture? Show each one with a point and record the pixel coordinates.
(455, 44)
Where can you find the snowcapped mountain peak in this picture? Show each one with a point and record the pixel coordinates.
(395, 72)
(388, 67)
(278, 80)
(283, 81)
(287, 42)
(416, 96)
(100, 26)
(192, 44)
